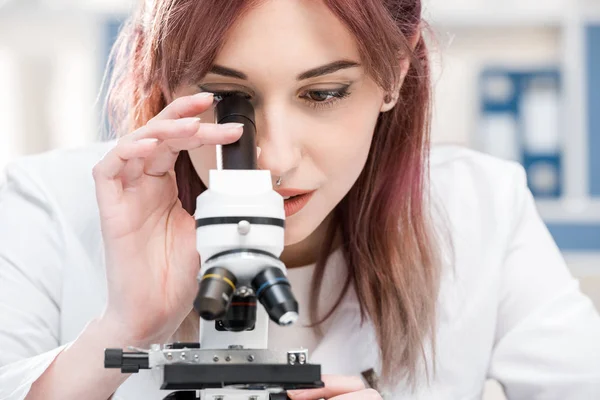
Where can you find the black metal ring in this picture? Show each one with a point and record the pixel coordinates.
(236, 220)
(236, 251)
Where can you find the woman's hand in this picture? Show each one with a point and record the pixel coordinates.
(337, 388)
(149, 239)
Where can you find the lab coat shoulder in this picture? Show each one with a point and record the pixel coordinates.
(470, 182)
(546, 330)
(473, 199)
(48, 213)
(63, 180)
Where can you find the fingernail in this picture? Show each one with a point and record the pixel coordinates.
(203, 95)
(258, 150)
(191, 120)
(147, 140)
(232, 125)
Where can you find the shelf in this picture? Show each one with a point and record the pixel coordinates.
(111, 7)
(492, 17)
(575, 211)
(583, 264)
(61, 8)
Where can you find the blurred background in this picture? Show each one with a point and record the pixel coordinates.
(519, 79)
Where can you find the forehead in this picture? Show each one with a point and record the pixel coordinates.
(280, 38)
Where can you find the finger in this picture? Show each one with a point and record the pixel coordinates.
(367, 394)
(208, 134)
(132, 172)
(164, 159)
(186, 106)
(114, 161)
(189, 133)
(335, 385)
(166, 129)
(107, 171)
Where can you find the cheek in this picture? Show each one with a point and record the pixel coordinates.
(343, 147)
(342, 144)
(338, 151)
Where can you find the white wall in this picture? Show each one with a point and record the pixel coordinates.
(50, 69)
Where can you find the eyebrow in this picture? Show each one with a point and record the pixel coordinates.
(311, 73)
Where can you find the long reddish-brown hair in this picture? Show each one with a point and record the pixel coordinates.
(387, 239)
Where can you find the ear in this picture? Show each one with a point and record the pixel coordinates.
(391, 98)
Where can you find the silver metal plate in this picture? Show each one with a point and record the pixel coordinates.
(297, 356)
(158, 357)
(224, 394)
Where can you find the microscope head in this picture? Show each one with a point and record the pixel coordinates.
(240, 223)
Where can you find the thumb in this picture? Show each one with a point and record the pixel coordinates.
(335, 385)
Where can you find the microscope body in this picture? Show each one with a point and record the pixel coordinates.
(246, 238)
(242, 284)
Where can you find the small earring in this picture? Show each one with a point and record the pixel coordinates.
(278, 183)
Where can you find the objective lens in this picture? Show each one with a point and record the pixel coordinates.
(215, 292)
(241, 314)
(274, 292)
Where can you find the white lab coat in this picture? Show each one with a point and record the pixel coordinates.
(510, 310)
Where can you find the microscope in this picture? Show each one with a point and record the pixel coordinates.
(242, 284)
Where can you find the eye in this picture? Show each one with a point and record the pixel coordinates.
(218, 96)
(320, 96)
(317, 99)
(325, 98)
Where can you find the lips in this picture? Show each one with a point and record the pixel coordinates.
(294, 199)
(289, 192)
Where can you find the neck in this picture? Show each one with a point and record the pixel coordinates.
(307, 251)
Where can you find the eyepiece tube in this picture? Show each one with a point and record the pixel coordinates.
(240, 154)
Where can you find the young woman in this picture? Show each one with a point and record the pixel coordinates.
(431, 268)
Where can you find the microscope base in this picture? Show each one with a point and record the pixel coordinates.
(285, 376)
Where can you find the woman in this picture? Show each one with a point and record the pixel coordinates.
(432, 269)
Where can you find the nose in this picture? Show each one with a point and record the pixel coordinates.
(280, 147)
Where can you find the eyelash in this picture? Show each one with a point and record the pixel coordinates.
(337, 96)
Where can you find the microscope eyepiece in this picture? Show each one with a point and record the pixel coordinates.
(242, 153)
(274, 292)
(214, 295)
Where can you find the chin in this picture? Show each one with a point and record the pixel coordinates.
(295, 234)
(301, 226)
